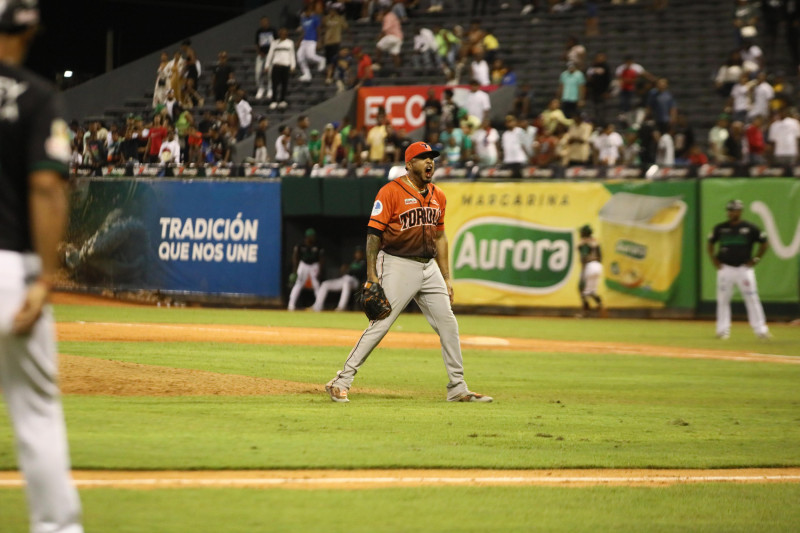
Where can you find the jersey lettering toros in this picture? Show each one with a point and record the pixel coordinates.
(408, 220)
(736, 241)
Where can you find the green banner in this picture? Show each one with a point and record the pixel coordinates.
(773, 204)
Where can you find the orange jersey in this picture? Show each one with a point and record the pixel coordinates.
(408, 220)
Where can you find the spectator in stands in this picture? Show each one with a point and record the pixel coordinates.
(575, 145)
(783, 138)
(752, 57)
(194, 147)
(343, 75)
(450, 109)
(530, 134)
(156, 135)
(683, 135)
(191, 98)
(244, 111)
(473, 44)
(755, 141)
(552, 117)
(283, 145)
(628, 74)
(447, 45)
(665, 148)
(480, 70)
(515, 151)
(728, 74)
(191, 69)
(608, 146)
(114, 155)
(598, 83)
(301, 154)
(467, 146)
(425, 56)
(260, 156)
(314, 146)
(221, 73)
(547, 147)
(498, 72)
(265, 35)
(330, 145)
(172, 107)
(281, 62)
(485, 140)
(761, 95)
(170, 150)
(376, 139)
(575, 53)
(433, 113)
(572, 90)
(745, 18)
(478, 103)
(174, 70)
(696, 156)
(310, 26)
(333, 25)
(739, 101)
(716, 139)
(522, 105)
(390, 39)
(736, 144)
(491, 46)
(162, 81)
(510, 77)
(364, 72)
(661, 105)
(129, 148)
(631, 152)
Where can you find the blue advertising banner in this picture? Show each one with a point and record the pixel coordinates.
(207, 237)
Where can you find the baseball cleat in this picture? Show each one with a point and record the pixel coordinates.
(723, 336)
(470, 396)
(764, 336)
(337, 394)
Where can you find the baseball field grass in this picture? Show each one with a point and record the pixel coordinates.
(590, 406)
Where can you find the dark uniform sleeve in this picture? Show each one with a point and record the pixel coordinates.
(48, 143)
(714, 235)
(762, 235)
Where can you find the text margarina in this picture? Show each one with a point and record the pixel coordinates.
(515, 200)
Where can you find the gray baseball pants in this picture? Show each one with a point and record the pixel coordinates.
(403, 279)
(28, 368)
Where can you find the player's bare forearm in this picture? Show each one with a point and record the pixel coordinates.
(711, 253)
(443, 260)
(48, 213)
(372, 249)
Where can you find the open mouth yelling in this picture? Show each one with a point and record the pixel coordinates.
(429, 171)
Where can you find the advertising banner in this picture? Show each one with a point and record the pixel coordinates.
(405, 105)
(209, 237)
(772, 204)
(515, 244)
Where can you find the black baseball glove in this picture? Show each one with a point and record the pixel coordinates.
(373, 301)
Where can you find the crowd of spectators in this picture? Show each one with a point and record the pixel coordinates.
(598, 114)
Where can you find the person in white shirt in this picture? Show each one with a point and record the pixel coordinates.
(478, 103)
(762, 94)
(281, 62)
(484, 140)
(515, 153)
(245, 113)
(283, 146)
(740, 99)
(260, 155)
(608, 146)
(480, 70)
(170, 151)
(425, 47)
(783, 136)
(665, 154)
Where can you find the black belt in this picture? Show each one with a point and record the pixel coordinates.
(418, 259)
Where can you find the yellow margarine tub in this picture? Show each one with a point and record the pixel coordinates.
(642, 241)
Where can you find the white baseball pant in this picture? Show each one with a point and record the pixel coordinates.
(308, 50)
(403, 279)
(744, 278)
(346, 284)
(592, 272)
(28, 368)
(304, 271)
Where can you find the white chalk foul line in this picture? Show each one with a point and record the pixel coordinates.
(343, 482)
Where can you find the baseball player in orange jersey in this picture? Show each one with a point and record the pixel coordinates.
(407, 254)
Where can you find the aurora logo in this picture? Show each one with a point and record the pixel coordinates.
(783, 251)
(514, 255)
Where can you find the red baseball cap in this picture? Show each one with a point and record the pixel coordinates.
(419, 149)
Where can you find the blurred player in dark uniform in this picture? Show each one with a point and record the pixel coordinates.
(591, 270)
(34, 151)
(353, 276)
(735, 262)
(307, 261)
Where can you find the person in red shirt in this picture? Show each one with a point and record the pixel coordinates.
(364, 72)
(696, 156)
(755, 141)
(155, 137)
(407, 253)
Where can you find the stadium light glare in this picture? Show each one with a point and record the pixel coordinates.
(67, 73)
